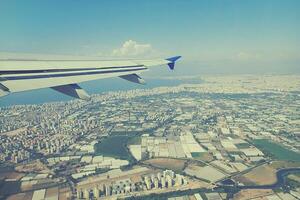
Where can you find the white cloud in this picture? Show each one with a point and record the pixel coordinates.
(132, 48)
(246, 56)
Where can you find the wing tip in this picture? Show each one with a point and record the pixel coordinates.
(172, 61)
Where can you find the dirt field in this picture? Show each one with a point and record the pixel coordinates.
(168, 163)
(14, 132)
(21, 196)
(34, 166)
(265, 174)
(11, 175)
(4, 175)
(251, 194)
(206, 157)
(15, 175)
(259, 176)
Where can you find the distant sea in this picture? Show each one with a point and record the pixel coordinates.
(92, 87)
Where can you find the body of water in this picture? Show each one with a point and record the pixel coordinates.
(92, 87)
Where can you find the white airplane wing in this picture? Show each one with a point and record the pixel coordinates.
(63, 75)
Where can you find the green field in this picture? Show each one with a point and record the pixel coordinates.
(114, 146)
(276, 151)
(134, 140)
(196, 154)
(203, 156)
(242, 145)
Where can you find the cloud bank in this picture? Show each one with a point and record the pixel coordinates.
(133, 48)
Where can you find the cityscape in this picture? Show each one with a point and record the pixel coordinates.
(150, 100)
(225, 137)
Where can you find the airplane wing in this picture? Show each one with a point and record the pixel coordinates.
(64, 75)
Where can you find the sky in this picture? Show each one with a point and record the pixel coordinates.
(213, 36)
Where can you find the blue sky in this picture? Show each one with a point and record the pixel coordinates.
(224, 36)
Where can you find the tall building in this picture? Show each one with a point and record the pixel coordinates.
(169, 172)
(159, 176)
(79, 194)
(169, 181)
(86, 194)
(96, 192)
(179, 180)
(107, 190)
(156, 183)
(163, 182)
(148, 182)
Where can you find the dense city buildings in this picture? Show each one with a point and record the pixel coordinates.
(184, 142)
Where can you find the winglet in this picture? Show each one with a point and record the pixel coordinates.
(172, 60)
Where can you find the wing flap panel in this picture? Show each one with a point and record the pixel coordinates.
(3, 90)
(134, 78)
(72, 90)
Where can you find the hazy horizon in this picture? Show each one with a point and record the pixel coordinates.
(214, 37)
